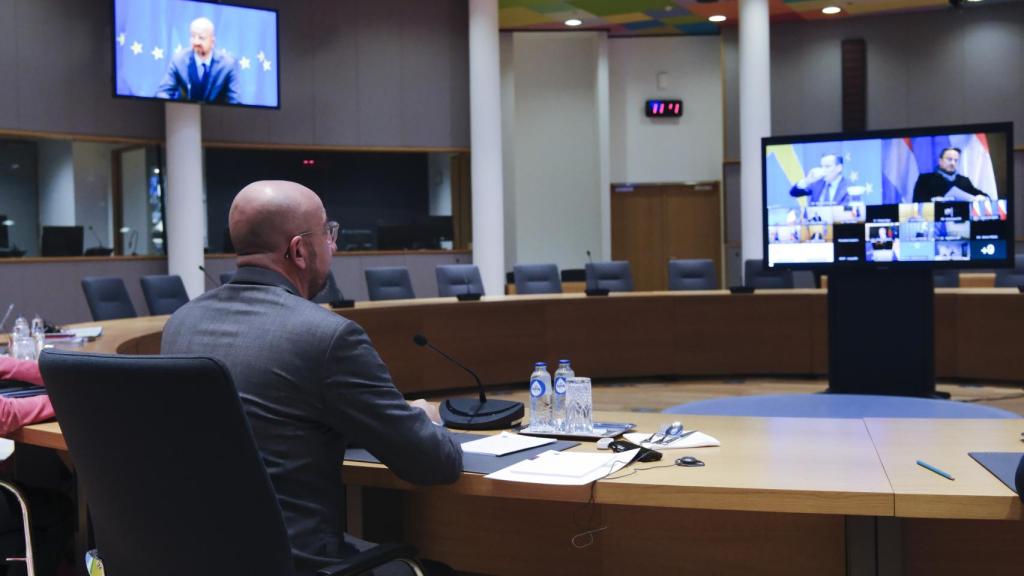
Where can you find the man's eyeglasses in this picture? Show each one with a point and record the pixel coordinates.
(330, 229)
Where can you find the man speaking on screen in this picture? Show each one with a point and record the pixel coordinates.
(201, 75)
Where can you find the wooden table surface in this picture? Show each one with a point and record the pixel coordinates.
(920, 493)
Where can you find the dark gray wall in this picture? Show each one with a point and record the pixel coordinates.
(391, 73)
(924, 69)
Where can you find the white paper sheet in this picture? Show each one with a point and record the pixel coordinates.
(504, 443)
(87, 332)
(565, 468)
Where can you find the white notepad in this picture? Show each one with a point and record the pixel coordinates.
(504, 443)
(565, 468)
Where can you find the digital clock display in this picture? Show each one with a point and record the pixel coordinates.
(664, 108)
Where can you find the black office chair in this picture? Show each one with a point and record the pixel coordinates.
(455, 279)
(755, 275)
(1011, 277)
(164, 294)
(614, 276)
(945, 278)
(108, 298)
(226, 277)
(692, 275)
(537, 279)
(389, 283)
(164, 497)
(330, 292)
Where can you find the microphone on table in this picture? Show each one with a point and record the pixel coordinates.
(470, 413)
(208, 276)
(591, 260)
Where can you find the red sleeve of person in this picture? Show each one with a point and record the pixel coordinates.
(18, 412)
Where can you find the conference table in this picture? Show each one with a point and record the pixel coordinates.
(780, 496)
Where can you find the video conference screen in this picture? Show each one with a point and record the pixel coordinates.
(935, 197)
(196, 52)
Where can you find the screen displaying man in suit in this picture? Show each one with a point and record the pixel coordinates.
(310, 380)
(201, 75)
(945, 183)
(824, 183)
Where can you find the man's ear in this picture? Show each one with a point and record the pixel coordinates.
(301, 255)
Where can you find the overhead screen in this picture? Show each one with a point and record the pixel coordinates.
(195, 51)
(931, 197)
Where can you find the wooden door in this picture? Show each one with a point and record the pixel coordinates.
(655, 223)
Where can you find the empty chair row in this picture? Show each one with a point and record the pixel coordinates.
(108, 298)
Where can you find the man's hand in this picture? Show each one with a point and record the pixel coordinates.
(429, 407)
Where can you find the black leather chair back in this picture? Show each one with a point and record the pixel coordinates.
(108, 298)
(537, 279)
(692, 275)
(756, 275)
(164, 294)
(455, 279)
(167, 460)
(614, 276)
(389, 283)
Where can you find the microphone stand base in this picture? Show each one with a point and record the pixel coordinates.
(471, 414)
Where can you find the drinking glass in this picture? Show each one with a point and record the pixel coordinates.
(578, 406)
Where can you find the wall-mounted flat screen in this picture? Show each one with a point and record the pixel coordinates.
(924, 197)
(196, 52)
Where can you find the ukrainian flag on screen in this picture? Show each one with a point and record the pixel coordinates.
(148, 33)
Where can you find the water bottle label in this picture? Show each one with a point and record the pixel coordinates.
(560, 385)
(537, 388)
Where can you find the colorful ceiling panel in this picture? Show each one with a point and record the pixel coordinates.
(682, 17)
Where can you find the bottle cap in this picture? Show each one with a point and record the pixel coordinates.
(538, 364)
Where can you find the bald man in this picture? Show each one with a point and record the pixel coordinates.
(199, 74)
(310, 380)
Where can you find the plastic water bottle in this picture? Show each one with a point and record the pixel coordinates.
(540, 397)
(38, 334)
(562, 376)
(22, 346)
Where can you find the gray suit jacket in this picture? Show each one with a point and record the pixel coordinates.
(311, 384)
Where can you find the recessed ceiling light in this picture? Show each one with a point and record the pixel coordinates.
(717, 18)
(831, 10)
(974, 0)
(574, 22)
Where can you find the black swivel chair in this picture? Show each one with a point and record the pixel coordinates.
(167, 498)
(755, 275)
(1011, 278)
(614, 276)
(537, 279)
(164, 294)
(945, 278)
(455, 279)
(692, 275)
(330, 292)
(389, 283)
(108, 298)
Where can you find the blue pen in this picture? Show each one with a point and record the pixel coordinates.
(924, 464)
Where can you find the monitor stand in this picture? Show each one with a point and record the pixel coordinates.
(881, 332)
